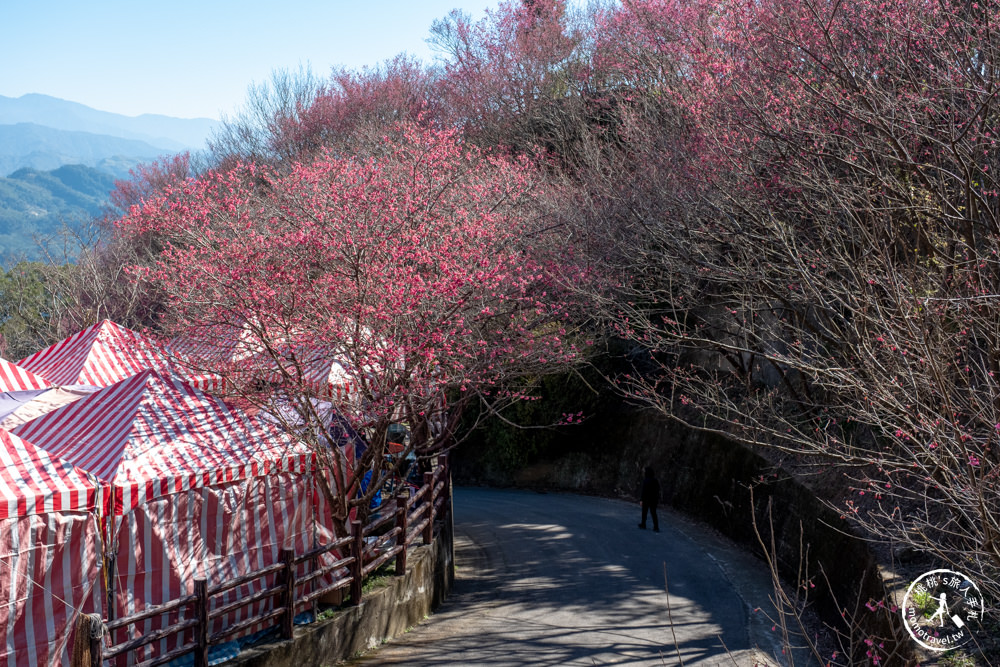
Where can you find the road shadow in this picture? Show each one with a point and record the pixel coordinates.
(553, 579)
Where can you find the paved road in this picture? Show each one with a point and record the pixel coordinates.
(554, 579)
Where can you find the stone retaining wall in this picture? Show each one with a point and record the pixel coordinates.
(384, 613)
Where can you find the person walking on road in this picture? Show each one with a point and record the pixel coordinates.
(649, 498)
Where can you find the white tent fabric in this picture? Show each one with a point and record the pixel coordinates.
(12, 401)
(41, 403)
(18, 386)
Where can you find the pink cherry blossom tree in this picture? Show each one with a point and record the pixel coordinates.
(425, 273)
(815, 272)
(516, 77)
(296, 115)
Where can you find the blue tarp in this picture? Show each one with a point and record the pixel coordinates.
(221, 653)
(377, 498)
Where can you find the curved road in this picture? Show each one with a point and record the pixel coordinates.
(554, 579)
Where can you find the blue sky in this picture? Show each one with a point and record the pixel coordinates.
(189, 58)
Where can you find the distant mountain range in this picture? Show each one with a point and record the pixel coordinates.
(61, 159)
(171, 134)
(27, 145)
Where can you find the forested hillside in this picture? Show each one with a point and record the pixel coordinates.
(40, 134)
(38, 205)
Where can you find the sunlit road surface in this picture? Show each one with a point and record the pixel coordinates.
(554, 579)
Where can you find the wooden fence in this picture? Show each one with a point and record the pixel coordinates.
(413, 518)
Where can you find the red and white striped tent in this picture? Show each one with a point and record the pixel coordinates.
(323, 371)
(153, 434)
(16, 378)
(106, 353)
(49, 544)
(223, 344)
(229, 349)
(189, 488)
(326, 374)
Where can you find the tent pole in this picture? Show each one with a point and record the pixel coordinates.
(111, 586)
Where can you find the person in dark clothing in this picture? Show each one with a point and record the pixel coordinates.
(649, 498)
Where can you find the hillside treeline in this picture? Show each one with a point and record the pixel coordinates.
(786, 209)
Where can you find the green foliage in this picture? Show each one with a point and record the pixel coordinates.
(957, 659)
(924, 603)
(27, 304)
(536, 429)
(379, 578)
(327, 613)
(90, 186)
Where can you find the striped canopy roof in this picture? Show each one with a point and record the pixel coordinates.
(324, 373)
(33, 481)
(103, 354)
(16, 378)
(223, 344)
(152, 435)
(320, 370)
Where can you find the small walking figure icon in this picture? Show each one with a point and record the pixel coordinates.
(959, 606)
(941, 610)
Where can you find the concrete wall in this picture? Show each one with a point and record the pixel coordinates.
(384, 613)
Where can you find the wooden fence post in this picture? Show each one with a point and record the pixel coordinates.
(401, 524)
(357, 567)
(446, 475)
(288, 596)
(82, 650)
(96, 647)
(96, 651)
(449, 508)
(313, 566)
(201, 630)
(110, 578)
(429, 498)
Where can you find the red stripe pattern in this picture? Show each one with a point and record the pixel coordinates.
(189, 487)
(220, 533)
(48, 552)
(153, 435)
(49, 577)
(33, 481)
(232, 347)
(106, 353)
(16, 378)
(222, 345)
(325, 374)
(330, 378)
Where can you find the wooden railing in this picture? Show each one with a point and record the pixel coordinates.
(413, 518)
